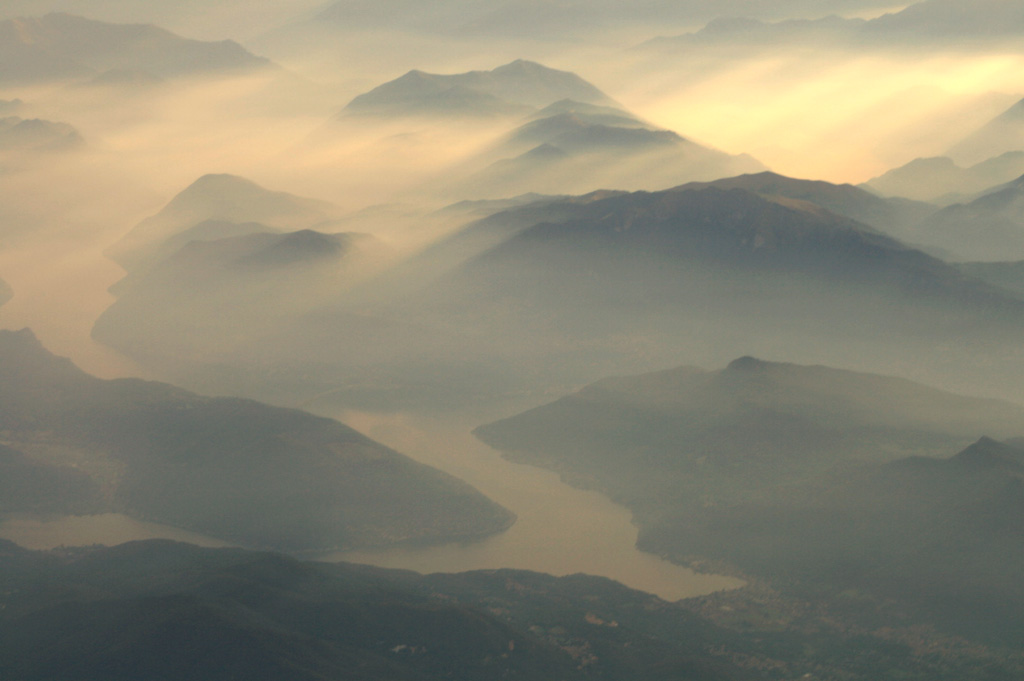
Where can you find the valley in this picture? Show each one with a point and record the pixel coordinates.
(578, 341)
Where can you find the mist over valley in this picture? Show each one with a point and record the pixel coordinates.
(533, 341)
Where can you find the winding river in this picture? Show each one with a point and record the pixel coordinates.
(560, 530)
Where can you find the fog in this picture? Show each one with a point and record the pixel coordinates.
(420, 219)
(836, 114)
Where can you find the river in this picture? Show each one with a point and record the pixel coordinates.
(560, 530)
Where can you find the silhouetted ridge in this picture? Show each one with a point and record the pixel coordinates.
(233, 187)
(310, 240)
(37, 135)
(746, 364)
(230, 468)
(61, 46)
(214, 206)
(545, 151)
(990, 453)
(513, 88)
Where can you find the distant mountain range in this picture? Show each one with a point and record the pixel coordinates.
(573, 147)
(650, 260)
(19, 134)
(940, 180)
(566, 136)
(59, 47)
(516, 88)
(1004, 133)
(229, 468)
(216, 295)
(927, 22)
(892, 216)
(225, 264)
(5, 292)
(989, 228)
(214, 207)
(639, 277)
(516, 18)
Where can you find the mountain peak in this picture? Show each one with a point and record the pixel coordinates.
(990, 453)
(221, 181)
(309, 242)
(519, 85)
(522, 65)
(746, 363)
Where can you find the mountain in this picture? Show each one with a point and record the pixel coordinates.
(483, 208)
(989, 228)
(423, 94)
(19, 134)
(572, 147)
(641, 280)
(751, 34)
(603, 157)
(169, 611)
(940, 180)
(893, 216)
(556, 20)
(685, 438)
(499, 226)
(949, 20)
(592, 113)
(936, 541)
(652, 264)
(573, 132)
(1004, 133)
(62, 46)
(215, 206)
(5, 292)
(831, 485)
(213, 294)
(513, 89)
(927, 23)
(231, 468)
(564, 135)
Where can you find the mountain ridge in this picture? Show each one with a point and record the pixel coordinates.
(61, 46)
(227, 467)
(218, 198)
(515, 88)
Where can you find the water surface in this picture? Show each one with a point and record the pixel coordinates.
(560, 530)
